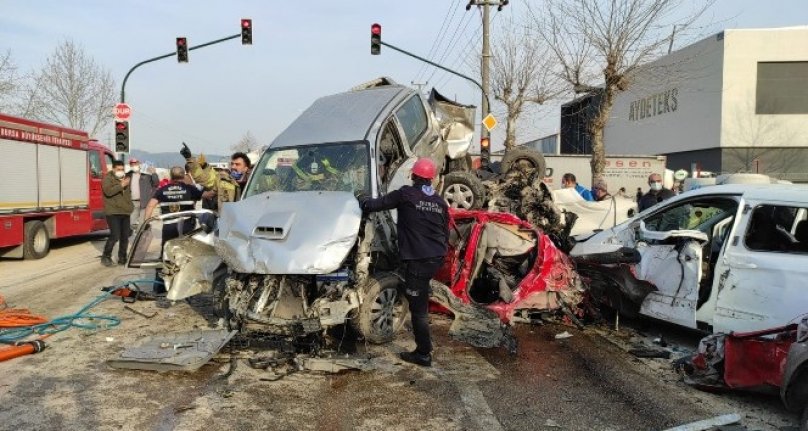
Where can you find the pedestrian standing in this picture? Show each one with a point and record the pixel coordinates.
(423, 233)
(569, 181)
(143, 186)
(175, 197)
(117, 209)
(600, 190)
(656, 193)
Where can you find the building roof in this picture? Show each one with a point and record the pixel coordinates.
(342, 117)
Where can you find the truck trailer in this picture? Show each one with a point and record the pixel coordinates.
(50, 185)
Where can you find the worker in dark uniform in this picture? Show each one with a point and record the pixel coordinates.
(423, 233)
(175, 197)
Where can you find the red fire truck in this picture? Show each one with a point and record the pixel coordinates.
(50, 185)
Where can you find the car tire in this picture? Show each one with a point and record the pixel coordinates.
(383, 310)
(36, 240)
(804, 419)
(463, 190)
(526, 157)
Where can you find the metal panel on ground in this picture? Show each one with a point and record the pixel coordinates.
(17, 189)
(74, 177)
(47, 167)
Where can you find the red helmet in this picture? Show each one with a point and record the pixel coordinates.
(133, 161)
(424, 168)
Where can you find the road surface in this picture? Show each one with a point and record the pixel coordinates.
(586, 382)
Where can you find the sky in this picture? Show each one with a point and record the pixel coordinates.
(301, 50)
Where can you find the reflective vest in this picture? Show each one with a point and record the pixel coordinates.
(315, 177)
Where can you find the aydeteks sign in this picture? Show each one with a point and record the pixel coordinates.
(651, 106)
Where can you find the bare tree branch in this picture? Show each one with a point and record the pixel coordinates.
(523, 71)
(9, 81)
(71, 90)
(247, 143)
(600, 44)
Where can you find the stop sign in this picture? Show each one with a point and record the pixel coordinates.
(122, 112)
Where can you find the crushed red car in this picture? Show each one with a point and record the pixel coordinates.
(501, 263)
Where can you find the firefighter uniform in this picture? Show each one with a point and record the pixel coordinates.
(423, 234)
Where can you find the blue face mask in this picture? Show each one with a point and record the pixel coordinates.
(236, 175)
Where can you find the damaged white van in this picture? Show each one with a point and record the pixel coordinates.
(720, 258)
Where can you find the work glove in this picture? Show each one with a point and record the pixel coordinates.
(185, 151)
(201, 159)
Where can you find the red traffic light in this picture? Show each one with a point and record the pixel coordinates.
(246, 23)
(120, 125)
(180, 41)
(376, 29)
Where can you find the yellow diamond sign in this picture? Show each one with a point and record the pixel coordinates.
(490, 122)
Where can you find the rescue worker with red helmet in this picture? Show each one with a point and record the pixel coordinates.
(423, 234)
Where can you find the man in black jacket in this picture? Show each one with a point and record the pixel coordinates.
(423, 233)
(656, 193)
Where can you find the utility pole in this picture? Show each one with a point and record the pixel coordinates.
(486, 55)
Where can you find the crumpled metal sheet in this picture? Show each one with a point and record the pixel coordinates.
(313, 232)
(179, 351)
(198, 262)
(472, 324)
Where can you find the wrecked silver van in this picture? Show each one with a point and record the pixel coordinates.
(295, 255)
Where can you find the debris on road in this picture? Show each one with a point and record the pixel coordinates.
(708, 424)
(474, 325)
(563, 335)
(180, 351)
(140, 313)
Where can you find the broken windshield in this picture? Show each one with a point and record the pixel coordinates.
(324, 167)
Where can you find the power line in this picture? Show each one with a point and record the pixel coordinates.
(444, 26)
(452, 43)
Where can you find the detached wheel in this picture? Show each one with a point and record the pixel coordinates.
(383, 310)
(523, 158)
(37, 241)
(463, 190)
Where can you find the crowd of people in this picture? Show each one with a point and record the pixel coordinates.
(130, 198)
(600, 191)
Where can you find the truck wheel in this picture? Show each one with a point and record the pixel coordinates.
(37, 241)
(383, 310)
(463, 190)
(525, 158)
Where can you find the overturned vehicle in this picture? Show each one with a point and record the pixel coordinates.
(295, 255)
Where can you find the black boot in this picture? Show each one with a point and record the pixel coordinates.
(106, 261)
(416, 358)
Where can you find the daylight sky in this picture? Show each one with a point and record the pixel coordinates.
(301, 50)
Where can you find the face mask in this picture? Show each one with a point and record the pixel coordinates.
(656, 186)
(135, 169)
(236, 175)
(119, 174)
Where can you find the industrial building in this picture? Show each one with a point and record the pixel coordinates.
(736, 101)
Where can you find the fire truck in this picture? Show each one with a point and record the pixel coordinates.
(50, 185)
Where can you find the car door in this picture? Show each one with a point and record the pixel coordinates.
(761, 275)
(420, 134)
(671, 246)
(96, 201)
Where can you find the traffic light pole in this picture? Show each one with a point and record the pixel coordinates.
(472, 80)
(190, 48)
(484, 90)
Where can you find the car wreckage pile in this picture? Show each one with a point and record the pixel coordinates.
(296, 258)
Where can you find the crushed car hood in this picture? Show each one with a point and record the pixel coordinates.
(289, 233)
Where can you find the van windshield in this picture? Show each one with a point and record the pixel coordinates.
(340, 166)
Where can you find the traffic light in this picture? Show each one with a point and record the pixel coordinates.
(182, 50)
(375, 39)
(246, 31)
(485, 149)
(121, 136)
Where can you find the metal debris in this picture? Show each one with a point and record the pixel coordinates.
(707, 424)
(180, 351)
(477, 326)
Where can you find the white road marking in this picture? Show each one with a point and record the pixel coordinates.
(477, 407)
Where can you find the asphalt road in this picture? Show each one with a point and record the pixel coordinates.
(586, 382)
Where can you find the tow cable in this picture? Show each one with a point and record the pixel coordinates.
(26, 332)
